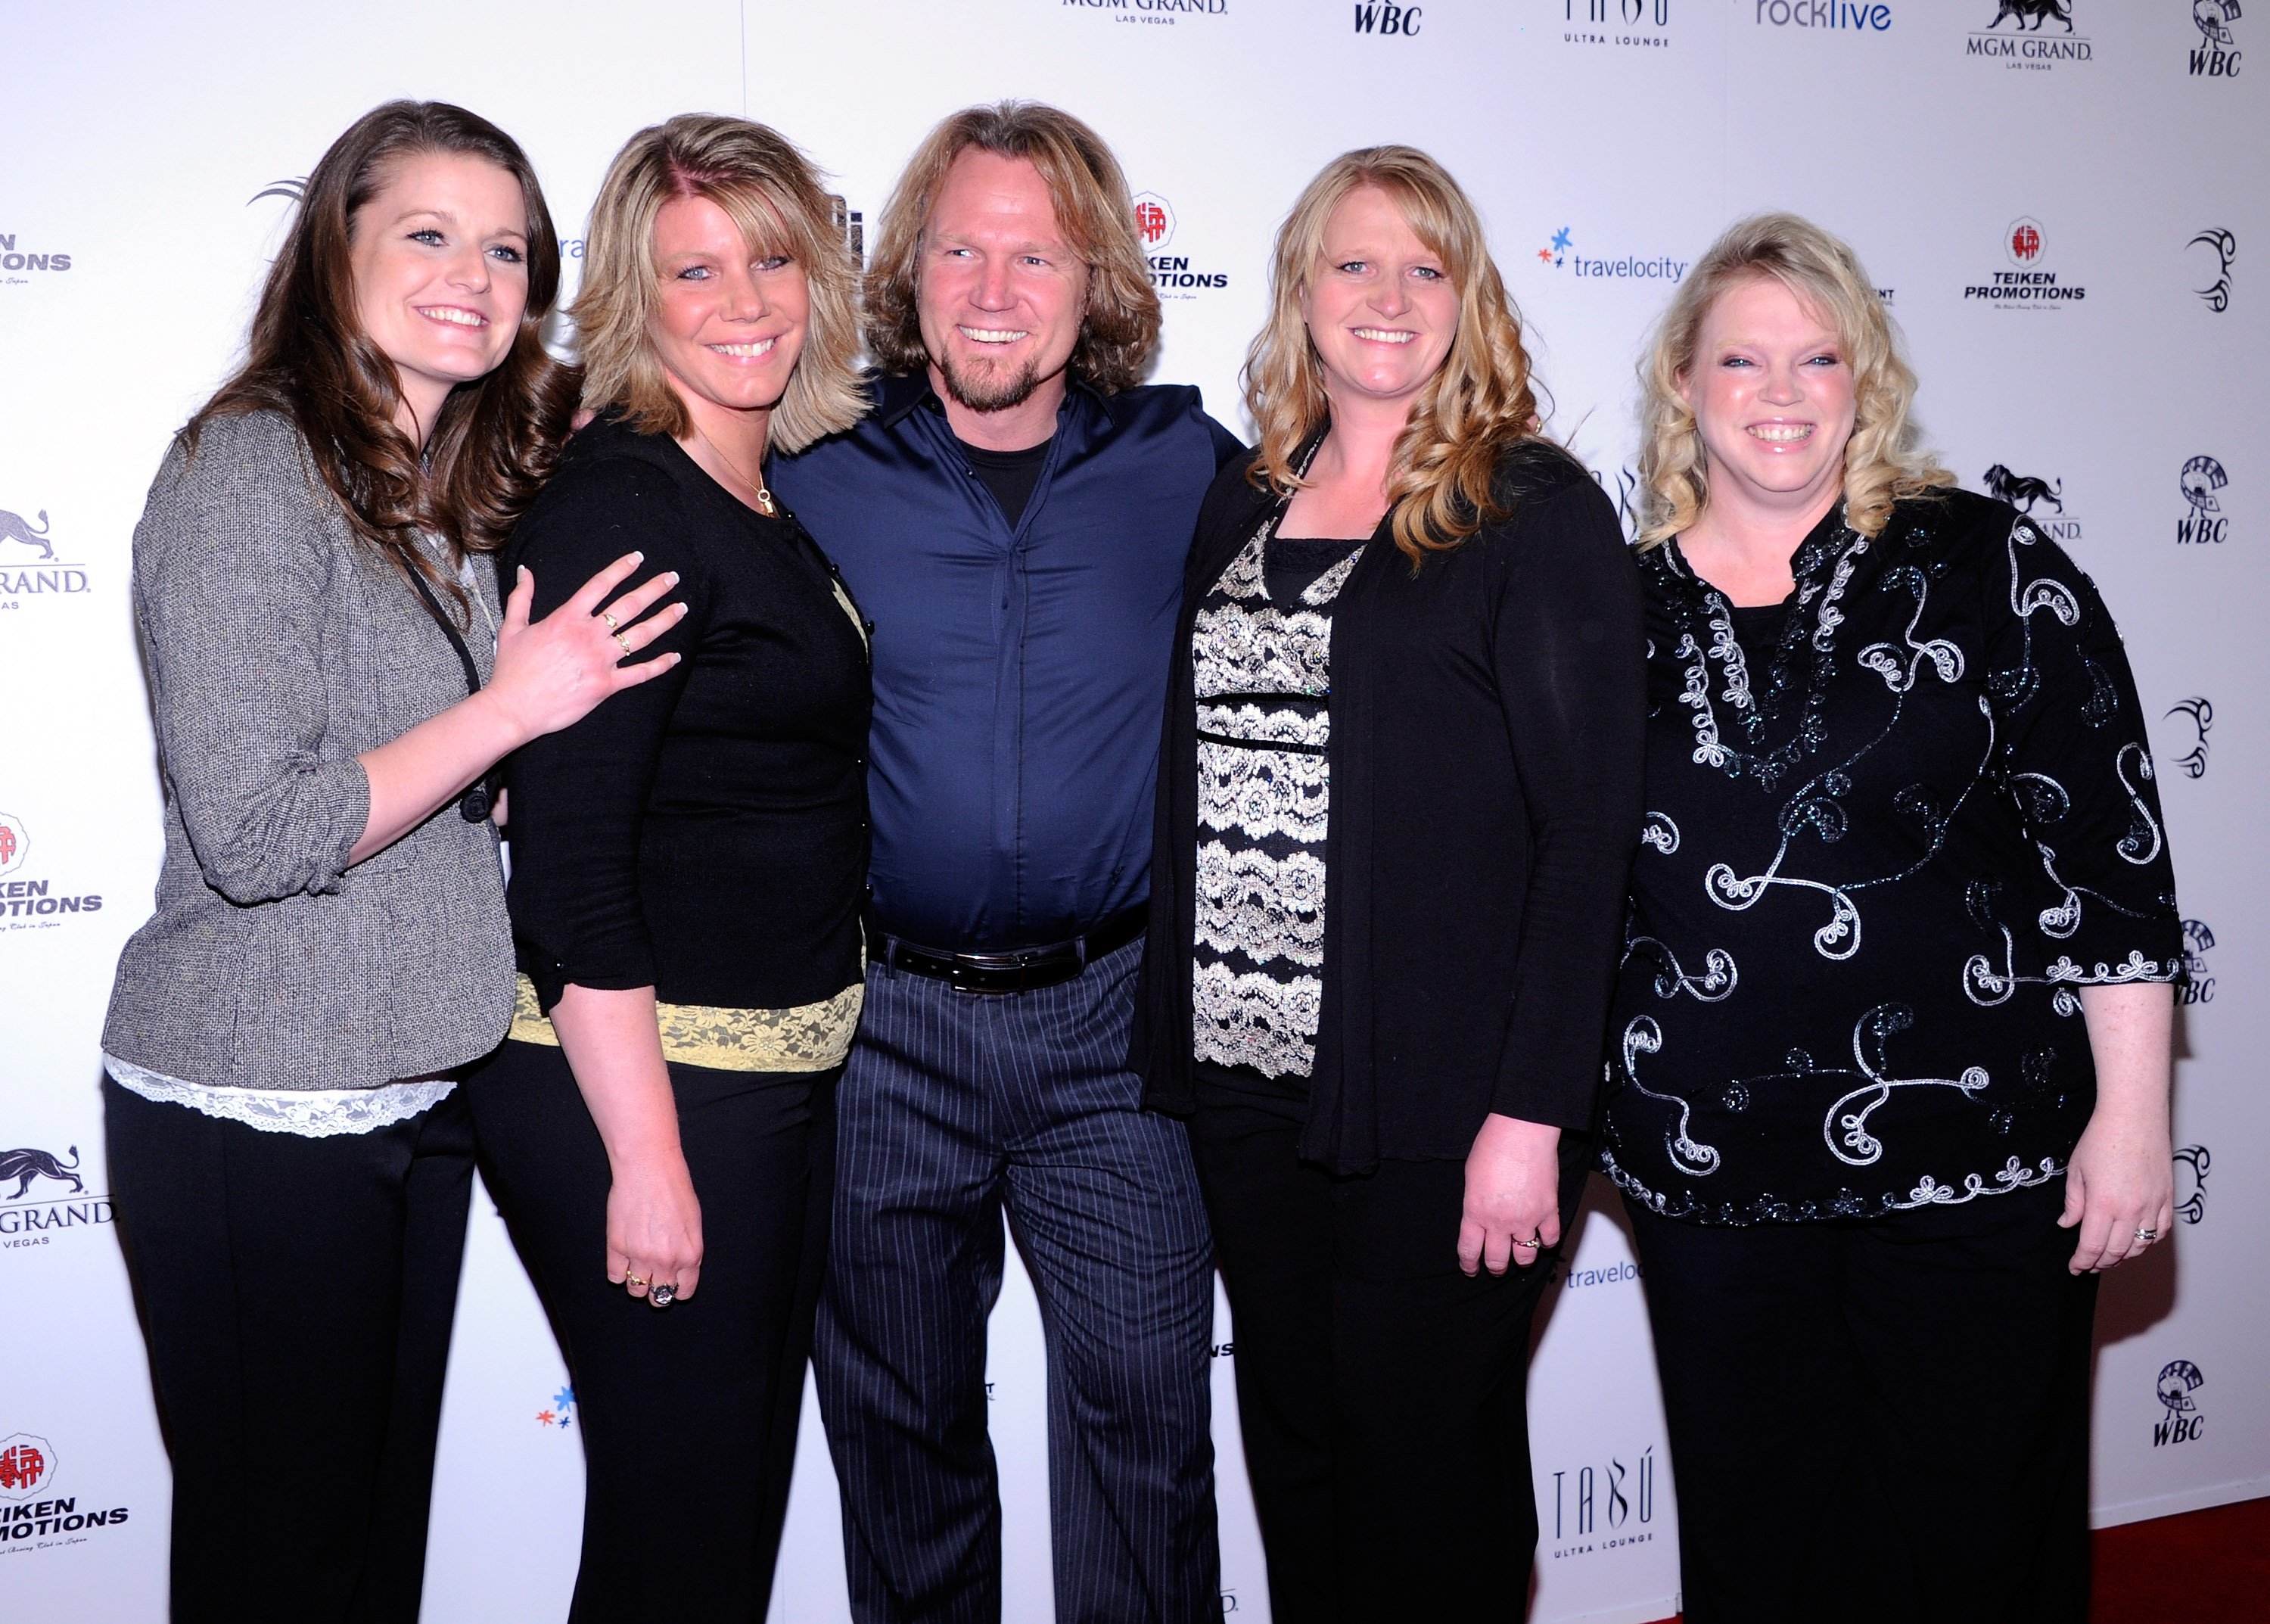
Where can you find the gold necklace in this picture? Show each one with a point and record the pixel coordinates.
(764, 497)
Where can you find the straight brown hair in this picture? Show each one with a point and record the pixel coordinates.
(308, 357)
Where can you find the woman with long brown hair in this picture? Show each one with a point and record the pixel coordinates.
(332, 675)
(1398, 798)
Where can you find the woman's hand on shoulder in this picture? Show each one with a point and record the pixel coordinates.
(552, 673)
(1512, 1211)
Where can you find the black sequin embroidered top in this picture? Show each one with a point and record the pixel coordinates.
(1894, 823)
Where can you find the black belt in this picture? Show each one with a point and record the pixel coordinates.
(1017, 969)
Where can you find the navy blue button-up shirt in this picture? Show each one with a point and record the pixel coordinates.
(1020, 672)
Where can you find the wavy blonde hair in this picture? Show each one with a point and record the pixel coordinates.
(1883, 460)
(1441, 482)
(767, 189)
(1120, 326)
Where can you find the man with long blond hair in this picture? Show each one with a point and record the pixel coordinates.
(1014, 512)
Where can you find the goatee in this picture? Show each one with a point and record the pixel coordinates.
(984, 390)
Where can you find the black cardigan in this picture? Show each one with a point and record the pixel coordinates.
(1486, 766)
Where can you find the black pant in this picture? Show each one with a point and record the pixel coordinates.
(1903, 1402)
(1381, 1393)
(297, 1295)
(689, 1413)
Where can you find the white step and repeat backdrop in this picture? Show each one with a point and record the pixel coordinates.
(2064, 204)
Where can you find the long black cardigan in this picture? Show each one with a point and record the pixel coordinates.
(1486, 786)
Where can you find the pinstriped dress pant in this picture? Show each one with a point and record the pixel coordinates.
(955, 1107)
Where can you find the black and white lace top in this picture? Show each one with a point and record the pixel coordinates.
(1893, 825)
(1261, 657)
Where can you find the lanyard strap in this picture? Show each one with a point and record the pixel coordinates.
(475, 805)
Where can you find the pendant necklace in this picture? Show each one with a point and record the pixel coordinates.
(764, 497)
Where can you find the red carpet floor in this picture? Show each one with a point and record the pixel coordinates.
(2209, 1566)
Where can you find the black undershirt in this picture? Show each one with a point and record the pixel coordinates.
(1010, 475)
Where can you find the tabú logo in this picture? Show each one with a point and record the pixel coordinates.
(28, 1466)
(2179, 1379)
(2030, 494)
(2025, 245)
(1623, 485)
(1822, 16)
(1601, 1508)
(560, 1412)
(2036, 47)
(1560, 251)
(2216, 55)
(1373, 18)
(2195, 985)
(29, 904)
(15, 258)
(2198, 712)
(28, 565)
(2220, 242)
(1170, 273)
(2192, 1163)
(1164, 13)
(1644, 23)
(2206, 524)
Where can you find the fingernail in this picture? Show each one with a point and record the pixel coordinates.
(672, 577)
(638, 558)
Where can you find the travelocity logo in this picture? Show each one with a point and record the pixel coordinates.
(1561, 252)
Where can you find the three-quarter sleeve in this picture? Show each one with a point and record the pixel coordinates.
(579, 795)
(2074, 756)
(1570, 669)
(232, 594)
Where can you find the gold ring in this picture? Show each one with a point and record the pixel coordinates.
(614, 627)
(634, 1280)
(625, 642)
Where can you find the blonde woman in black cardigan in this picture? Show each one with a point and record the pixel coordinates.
(1399, 796)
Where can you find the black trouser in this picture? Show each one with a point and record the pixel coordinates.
(689, 1413)
(1381, 1393)
(297, 1295)
(1903, 1402)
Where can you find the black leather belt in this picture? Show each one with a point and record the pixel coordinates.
(1019, 969)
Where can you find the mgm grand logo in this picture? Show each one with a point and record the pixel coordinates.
(28, 565)
(2040, 499)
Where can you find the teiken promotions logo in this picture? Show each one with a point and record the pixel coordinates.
(1172, 274)
(34, 1518)
(2029, 284)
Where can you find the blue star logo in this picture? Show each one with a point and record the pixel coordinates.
(1557, 250)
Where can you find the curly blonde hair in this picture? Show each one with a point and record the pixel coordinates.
(1120, 326)
(1441, 480)
(767, 189)
(1883, 461)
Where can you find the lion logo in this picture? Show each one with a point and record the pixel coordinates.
(2023, 490)
(2040, 10)
(13, 528)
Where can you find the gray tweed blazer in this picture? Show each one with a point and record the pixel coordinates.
(279, 649)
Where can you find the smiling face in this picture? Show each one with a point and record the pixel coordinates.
(1002, 293)
(1379, 304)
(440, 260)
(731, 319)
(1773, 398)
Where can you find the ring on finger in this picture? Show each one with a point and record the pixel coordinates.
(2148, 1235)
(663, 1296)
(1533, 1240)
(623, 641)
(634, 1279)
(614, 627)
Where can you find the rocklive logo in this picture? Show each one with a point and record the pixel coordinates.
(2211, 58)
(1824, 14)
(1374, 18)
